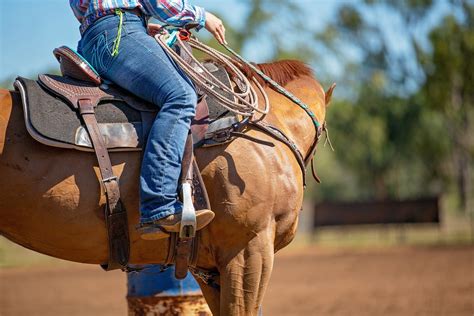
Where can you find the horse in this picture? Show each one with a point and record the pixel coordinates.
(51, 201)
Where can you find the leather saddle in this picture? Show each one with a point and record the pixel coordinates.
(80, 110)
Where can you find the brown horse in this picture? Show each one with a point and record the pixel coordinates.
(51, 202)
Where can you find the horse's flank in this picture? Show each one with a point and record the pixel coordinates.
(50, 199)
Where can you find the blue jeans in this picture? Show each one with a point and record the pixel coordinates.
(143, 68)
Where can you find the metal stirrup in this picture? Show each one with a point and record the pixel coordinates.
(188, 217)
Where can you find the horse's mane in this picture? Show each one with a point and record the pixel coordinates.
(282, 71)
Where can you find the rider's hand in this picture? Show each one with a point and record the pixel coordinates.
(154, 29)
(215, 27)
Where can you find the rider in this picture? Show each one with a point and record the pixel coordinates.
(116, 41)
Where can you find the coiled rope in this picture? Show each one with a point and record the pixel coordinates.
(278, 87)
(245, 102)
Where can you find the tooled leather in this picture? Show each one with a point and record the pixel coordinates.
(73, 90)
(85, 98)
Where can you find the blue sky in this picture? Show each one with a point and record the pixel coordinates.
(29, 31)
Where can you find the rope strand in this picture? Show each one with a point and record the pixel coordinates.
(280, 89)
(245, 102)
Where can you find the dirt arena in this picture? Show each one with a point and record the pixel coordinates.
(310, 281)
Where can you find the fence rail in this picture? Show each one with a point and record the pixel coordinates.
(425, 210)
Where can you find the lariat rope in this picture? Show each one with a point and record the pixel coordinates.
(246, 100)
(278, 87)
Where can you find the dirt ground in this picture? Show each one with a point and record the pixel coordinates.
(312, 281)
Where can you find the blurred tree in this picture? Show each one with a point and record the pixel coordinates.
(7, 83)
(449, 92)
(388, 141)
(374, 128)
(271, 22)
(407, 112)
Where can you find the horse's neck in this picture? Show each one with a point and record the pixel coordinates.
(291, 118)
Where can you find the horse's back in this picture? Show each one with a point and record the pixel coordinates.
(50, 198)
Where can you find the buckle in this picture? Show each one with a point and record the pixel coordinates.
(222, 135)
(109, 179)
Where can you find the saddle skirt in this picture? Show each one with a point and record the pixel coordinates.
(124, 120)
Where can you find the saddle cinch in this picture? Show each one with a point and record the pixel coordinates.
(80, 110)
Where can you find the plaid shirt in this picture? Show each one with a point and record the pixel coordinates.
(172, 12)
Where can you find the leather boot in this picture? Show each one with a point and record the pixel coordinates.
(161, 228)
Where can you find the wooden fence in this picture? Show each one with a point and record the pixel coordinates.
(424, 210)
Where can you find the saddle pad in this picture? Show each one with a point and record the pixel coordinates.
(124, 123)
(52, 121)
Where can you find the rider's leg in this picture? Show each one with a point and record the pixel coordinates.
(143, 68)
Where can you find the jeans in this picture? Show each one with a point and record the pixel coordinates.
(145, 69)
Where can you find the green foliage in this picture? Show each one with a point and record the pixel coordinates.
(449, 93)
(8, 82)
(401, 121)
(395, 140)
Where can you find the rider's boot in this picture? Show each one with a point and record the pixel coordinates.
(161, 228)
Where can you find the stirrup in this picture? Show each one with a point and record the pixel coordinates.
(188, 217)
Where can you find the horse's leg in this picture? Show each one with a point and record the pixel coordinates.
(245, 277)
(212, 296)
